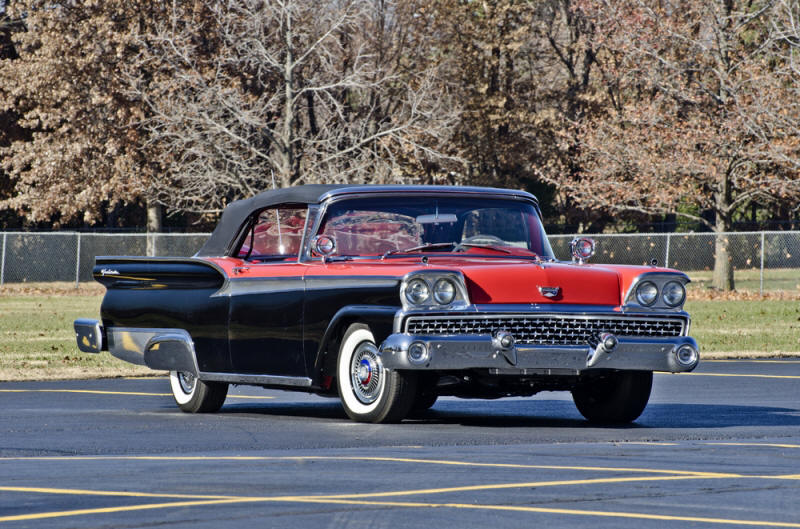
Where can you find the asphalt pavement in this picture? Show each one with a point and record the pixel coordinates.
(716, 448)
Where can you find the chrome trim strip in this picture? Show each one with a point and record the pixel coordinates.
(429, 189)
(350, 282)
(242, 286)
(257, 380)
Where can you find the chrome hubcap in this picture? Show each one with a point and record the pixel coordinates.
(366, 373)
(187, 381)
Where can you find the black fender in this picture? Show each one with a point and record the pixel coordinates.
(380, 320)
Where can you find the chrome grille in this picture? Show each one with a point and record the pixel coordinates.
(546, 329)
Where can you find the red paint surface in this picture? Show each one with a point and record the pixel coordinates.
(510, 280)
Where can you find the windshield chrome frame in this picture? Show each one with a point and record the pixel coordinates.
(336, 196)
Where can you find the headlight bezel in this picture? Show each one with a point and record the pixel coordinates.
(431, 278)
(660, 279)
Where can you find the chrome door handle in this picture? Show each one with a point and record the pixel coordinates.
(240, 269)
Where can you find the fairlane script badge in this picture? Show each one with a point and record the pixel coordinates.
(108, 272)
(550, 292)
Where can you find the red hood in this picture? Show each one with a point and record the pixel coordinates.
(520, 283)
(488, 280)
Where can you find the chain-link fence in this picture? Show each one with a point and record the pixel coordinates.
(60, 256)
(761, 260)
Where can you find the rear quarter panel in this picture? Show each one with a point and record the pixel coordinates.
(168, 293)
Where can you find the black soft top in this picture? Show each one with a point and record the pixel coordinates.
(236, 213)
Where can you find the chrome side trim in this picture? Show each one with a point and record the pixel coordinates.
(350, 282)
(267, 285)
(259, 285)
(256, 380)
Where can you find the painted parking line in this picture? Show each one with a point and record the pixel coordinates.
(749, 361)
(741, 375)
(381, 499)
(117, 509)
(446, 462)
(770, 445)
(133, 393)
(572, 512)
(363, 499)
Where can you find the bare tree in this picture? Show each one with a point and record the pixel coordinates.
(695, 99)
(292, 91)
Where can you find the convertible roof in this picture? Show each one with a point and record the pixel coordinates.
(236, 213)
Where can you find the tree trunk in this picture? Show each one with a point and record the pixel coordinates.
(723, 266)
(154, 226)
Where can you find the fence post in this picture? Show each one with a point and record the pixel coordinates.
(78, 262)
(3, 261)
(761, 281)
(666, 253)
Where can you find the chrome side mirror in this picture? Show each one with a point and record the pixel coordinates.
(323, 245)
(582, 249)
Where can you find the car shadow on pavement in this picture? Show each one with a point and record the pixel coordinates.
(537, 413)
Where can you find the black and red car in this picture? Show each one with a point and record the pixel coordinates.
(390, 296)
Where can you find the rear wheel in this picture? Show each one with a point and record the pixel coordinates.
(614, 397)
(195, 396)
(369, 392)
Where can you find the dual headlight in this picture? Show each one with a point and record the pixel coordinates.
(673, 293)
(433, 289)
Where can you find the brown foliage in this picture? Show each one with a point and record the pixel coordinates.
(81, 151)
(243, 95)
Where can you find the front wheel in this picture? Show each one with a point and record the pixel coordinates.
(192, 395)
(614, 397)
(369, 392)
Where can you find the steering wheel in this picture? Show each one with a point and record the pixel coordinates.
(478, 240)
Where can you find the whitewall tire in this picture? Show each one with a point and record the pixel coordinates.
(195, 396)
(368, 391)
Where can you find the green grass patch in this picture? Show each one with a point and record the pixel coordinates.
(746, 328)
(37, 341)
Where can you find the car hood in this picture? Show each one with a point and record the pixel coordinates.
(542, 283)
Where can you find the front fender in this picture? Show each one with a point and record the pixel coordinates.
(380, 320)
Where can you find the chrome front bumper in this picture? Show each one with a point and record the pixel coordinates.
(455, 352)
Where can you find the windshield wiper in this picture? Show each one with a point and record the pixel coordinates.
(487, 246)
(429, 246)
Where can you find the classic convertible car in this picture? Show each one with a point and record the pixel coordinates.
(390, 296)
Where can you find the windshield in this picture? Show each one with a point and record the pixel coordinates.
(384, 226)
